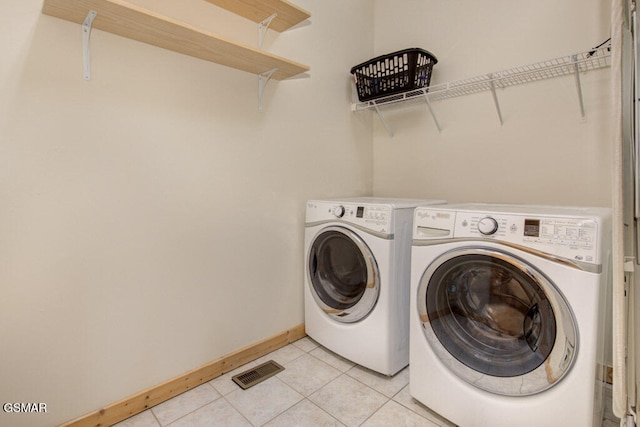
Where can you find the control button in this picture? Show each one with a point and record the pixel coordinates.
(487, 226)
(513, 228)
(338, 211)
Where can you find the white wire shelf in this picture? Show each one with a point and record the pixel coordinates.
(566, 65)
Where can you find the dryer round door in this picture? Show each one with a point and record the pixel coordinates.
(343, 274)
(496, 321)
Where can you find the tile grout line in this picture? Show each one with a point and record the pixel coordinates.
(323, 410)
(236, 409)
(189, 413)
(155, 417)
(308, 352)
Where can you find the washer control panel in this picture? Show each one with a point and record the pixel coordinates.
(569, 237)
(371, 216)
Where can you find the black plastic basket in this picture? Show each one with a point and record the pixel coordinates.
(396, 72)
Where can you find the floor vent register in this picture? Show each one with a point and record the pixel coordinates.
(256, 375)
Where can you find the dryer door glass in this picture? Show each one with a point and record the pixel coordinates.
(343, 274)
(499, 318)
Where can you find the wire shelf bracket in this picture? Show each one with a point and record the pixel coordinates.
(495, 101)
(384, 122)
(435, 119)
(576, 72)
(568, 65)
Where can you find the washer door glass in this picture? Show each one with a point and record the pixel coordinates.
(506, 325)
(343, 274)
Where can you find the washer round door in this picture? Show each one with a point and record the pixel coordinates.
(496, 321)
(343, 274)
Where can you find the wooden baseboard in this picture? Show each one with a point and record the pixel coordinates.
(608, 374)
(144, 400)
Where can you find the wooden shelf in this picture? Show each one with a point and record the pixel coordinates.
(131, 21)
(259, 10)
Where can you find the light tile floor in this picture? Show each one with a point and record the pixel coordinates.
(317, 388)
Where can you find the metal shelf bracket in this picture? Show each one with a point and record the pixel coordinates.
(384, 122)
(495, 98)
(576, 72)
(86, 45)
(262, 29)
(263, 79)
(435, 120)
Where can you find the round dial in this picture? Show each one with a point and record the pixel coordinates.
(487, 226)
(338, 211)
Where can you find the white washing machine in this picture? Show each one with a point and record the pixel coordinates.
(356, 292)
(507, 311)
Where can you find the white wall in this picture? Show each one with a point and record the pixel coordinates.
(545, 152)
(151, 219)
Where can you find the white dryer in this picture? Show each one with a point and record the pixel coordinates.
(356, 292)
(507, 313)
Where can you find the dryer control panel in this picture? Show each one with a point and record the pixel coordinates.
(575, 238)
(370, 216)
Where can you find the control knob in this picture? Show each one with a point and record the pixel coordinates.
(338, 211)
(487, 226)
